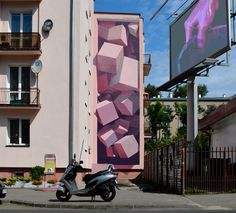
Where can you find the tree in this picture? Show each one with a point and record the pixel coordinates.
(181, 112)
(159, 118)
(152, 91)
(202, 90)
(181, 91)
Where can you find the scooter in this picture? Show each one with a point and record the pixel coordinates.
(102, 183)
(3, 191)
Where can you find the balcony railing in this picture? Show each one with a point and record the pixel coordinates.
(147, 64)
(19, 98)
(19, 41)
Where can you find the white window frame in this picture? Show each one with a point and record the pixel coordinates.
(21, 18)
(19, 79)
(20, 132)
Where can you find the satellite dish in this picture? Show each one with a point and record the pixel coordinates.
(36, 66)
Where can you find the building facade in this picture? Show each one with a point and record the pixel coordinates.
(220, 125)
(75, 88)
(34, 109)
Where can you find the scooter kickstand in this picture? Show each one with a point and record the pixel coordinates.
(93, 198)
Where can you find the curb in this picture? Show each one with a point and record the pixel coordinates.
(94, 206)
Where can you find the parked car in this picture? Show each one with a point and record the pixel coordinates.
(3, 191)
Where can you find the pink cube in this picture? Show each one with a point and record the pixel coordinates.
(127, 146)
(110, 152)
(106, 112)
(110, 58)
(133, 29)
(134, 121)
(107, 136)
(127, 103)
(117, 35)
(127, 78)
(102, 82)
(103, 32)
(121, 126)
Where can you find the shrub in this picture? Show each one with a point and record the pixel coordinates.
(3, 179)
(27, 179)
(51, 181)
(36, 173)
(11, 181)
(37, 182)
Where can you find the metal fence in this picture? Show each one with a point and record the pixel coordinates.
(188, 169)
(210, 170)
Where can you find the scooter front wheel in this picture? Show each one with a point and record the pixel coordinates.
(109, 194)
(63, 196)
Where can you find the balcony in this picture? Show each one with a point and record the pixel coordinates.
(147, 64)
(19, 99)
(20, 44)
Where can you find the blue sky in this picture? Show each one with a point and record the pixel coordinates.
(221, 80)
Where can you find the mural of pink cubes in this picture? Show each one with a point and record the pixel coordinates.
(118, 79)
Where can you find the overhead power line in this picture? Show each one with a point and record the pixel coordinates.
(158, 10)
(177, 9)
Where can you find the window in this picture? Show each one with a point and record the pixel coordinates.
(20, 85)
(19, 132)
(21, 22)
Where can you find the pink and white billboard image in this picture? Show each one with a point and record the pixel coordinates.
(118, 107)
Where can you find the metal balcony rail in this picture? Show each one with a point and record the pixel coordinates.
(19, 41)
(147, 58)
(9, 97)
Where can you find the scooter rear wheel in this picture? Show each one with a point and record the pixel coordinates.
(109, 194)
(63, 196)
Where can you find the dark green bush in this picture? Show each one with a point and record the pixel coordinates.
(3, 179)
(36, 173)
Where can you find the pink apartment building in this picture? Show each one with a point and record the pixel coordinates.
(105, 54)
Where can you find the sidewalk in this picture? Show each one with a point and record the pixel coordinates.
(126, 198)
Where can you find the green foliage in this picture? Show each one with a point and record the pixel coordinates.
(150, 145)
(25, 179)
(11, 181)
(202, 90)
(181, 112)
(3, 179)
(36, 173)
(181, 91)
(203, 140)
(159, 118)
(152, 91)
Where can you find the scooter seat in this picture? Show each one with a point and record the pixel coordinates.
(89, 177)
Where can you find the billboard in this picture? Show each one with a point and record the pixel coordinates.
(118, 88)
(202, 31)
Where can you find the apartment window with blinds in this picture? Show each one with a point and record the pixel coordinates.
(19, 132)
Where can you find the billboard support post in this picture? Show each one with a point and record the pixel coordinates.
(192, 110)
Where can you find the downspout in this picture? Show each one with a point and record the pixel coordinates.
(71, 83)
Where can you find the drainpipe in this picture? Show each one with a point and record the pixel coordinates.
(71, 83)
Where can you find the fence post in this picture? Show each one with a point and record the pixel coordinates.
(183, 169)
